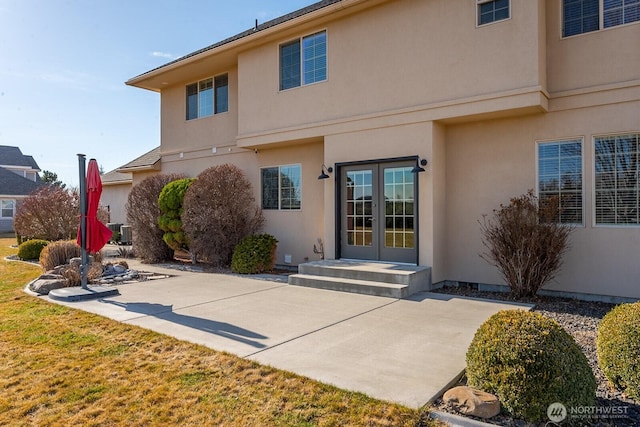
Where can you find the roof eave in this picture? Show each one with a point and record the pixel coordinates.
(144, 80)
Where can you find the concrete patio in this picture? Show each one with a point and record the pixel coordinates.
(402, 350)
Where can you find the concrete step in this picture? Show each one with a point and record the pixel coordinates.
(366, 287)
(366, 277)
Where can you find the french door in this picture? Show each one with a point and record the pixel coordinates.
(379, 212)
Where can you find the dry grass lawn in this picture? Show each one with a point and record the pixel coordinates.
(60, 366)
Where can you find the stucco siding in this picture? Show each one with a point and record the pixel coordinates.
(401, 54)
(489, 162)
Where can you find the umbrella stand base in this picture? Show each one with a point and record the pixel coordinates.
(80, 294)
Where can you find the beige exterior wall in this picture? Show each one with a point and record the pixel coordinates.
(591, 59)
(115, 197)
(413, 78)
(402, 54)
(489, 162)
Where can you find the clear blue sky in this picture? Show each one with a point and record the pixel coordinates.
(63, 64)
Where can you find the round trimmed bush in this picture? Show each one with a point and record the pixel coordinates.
(31, 249)
(618, 346)
(529, 361)
(254, 254)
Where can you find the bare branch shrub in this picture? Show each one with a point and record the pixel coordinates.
(219, 210)
(49, 213)
(142, 215)
(525, 243)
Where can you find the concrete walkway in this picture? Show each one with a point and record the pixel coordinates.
(402, 350)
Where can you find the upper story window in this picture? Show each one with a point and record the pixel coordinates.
(584, 16)
(617, 170)
(207, 97)
(492, 10)
(303, 61)
(281, 187)
(560, 178)
(7, 208)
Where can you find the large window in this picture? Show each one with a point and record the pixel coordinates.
(617, 166)
(492, 10)
(203, 100)
(281, 187)
(583, 16)
(303, 61)
(560, 178)
(7, 208)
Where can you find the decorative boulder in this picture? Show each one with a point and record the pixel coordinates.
(47, 282)
(469, 401)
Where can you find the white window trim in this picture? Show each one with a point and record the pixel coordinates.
(600, 22)
(197, 82)
(594, 224)
(326, 31)
(13, 214)
(279, 198)
(478, 24)
(580, 138)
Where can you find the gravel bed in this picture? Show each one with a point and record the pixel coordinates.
(580, 319)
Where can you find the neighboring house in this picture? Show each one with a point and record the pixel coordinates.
(498, 96)
(117, 183)
(18, 178)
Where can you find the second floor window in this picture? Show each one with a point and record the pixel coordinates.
(303, 61)
(492, 10)
(208, 97)
(584, 16)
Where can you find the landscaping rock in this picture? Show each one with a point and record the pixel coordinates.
(46, 283)
(469, 401)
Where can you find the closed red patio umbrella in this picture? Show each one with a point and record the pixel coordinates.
(98, 234)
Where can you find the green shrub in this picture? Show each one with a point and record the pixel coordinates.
(31, 249)
(59, 253)
(529, 362)
(170, 204)
(142, 214)
(618, 346)
(254, 254)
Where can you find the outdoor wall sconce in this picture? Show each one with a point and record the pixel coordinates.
(417, 168)
(324, 169)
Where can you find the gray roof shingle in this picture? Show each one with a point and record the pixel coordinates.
(12, 156)
(12, 184)
(147, 161)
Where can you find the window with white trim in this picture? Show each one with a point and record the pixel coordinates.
(560, 178)
(616, 170)
(281, 187)
(492, 10)
(7, 208)
(303, 61)
(208, 97)
(584, 16)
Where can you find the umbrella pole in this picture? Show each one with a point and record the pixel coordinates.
(83, 219)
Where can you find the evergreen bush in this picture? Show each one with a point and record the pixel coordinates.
(254, 254)
(142, 215)
(31, 249)
(170, 203)
(529, 362)
(618, 347)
